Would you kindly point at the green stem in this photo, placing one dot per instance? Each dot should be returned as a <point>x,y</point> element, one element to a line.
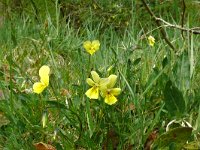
<point>89,117</point>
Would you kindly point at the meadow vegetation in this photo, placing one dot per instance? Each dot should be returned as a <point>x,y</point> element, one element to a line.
<point>89,74</point>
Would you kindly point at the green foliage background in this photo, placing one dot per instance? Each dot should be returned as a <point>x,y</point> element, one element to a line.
<point>158,84</point>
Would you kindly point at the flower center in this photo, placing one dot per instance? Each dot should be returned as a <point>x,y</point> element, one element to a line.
<point>92,48</point>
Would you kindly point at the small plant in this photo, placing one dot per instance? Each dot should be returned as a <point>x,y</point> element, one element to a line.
<point>135,86</point>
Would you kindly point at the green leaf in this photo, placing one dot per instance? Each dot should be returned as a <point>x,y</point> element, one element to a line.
<point>175,138</point>
<point>89,118</point>
<point>182,71</point>
<point>164,62</point>
<point>56,104</point>
<point>174,101</point>
<point>136,61</point>
<point>195,145</point>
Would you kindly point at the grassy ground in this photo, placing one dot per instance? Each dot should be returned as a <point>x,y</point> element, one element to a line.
<point>158,84</point>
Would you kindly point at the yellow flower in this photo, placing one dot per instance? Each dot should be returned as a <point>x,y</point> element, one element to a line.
<point>38,87</point>
<point>151,40</point>
<point>91,47</point>
<point>109,93</point>
<point>97,84</point>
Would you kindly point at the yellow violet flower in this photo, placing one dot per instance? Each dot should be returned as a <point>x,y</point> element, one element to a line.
<point>97,84</point>
<point>91,47</point>
<point>151,40</point>
<point>110,93</point>
<point>38,87</point>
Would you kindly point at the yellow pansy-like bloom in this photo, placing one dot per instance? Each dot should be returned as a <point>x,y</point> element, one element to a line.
<point>38,87</point>
<point>110,93</point>
<point>91,47</point>
<point>151,40</point>
<point>97,84</point>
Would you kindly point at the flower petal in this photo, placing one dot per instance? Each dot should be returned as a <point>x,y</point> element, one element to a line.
<point>44,74</point>
<point>110,99</point>
<point>92,51</point>
<point>104,81</point>
<point>103,93</point>
<point>95,76</point>
<point>44,70</point>
<point>45,80</point>
<point>38,87</point>
<point>115,91</point>
<point>87,45</point>
<point>95,44</point>
<point>103,84</point>
<point>112,80</point>
<point>151,40</point>
<point>93,93</point>
<point>90,82</point>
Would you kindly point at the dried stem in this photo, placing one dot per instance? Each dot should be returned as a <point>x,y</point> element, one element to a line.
<point>194,30</point>
<point>164,34</point>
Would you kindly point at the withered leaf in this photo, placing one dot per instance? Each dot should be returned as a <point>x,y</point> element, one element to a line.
<point>43,146</point>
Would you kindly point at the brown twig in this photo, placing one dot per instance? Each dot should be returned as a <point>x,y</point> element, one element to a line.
<point>194,30</point>
<point>164,34</point>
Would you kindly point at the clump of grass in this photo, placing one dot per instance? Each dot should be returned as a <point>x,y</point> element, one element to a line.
<point>62,115</point>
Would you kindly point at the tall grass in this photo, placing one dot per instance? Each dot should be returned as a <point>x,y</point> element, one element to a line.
<point>73,120</point>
